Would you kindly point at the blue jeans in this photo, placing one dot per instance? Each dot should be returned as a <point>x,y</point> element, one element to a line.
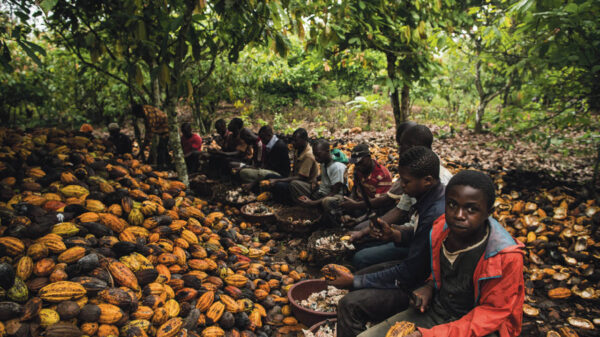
<point>377,254</point>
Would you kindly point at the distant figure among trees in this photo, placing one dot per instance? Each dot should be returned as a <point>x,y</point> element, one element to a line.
<point>156,134</point>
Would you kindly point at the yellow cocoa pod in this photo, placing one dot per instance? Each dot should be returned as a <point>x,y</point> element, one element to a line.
<point>65,229</point>
<point>13,245</point>
<point>24,268</point>
<point>71,255</point>
<point>400,329</point>
<point>215,311</point>
<point>74,191</point>
<point>61,291</point>
<point>135,218</point>
<point>213,331</point>
<point>48,317</point>
<point>170,328</point>
<point>109,314</point>
<point>236,280</point>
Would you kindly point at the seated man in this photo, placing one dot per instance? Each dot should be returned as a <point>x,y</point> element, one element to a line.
<point>383,290</point>
<point>374,177</point>
<point>222,133</point>
<point>476,287</point>
<point>378,252</point>
<point>330,191</point>
<point>192,145</point>
<point>234,149</point>
<point>253,155</point>
<point>275,161</point>
<point>305,168</point>
<point>385,202</point>
<point>118,142</point>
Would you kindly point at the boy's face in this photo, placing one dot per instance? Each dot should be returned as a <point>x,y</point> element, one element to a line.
<point>364,165</point>
<point>299,142</point>
<point>322,154</point>
<point>466,210</point>
<point>221,129</point>
<point>414,186</point>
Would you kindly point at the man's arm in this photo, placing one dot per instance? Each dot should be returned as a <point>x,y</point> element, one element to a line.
<point>411,271</point>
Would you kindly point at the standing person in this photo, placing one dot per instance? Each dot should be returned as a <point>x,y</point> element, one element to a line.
<point>330,191</point>
<point>275,161</point>
<point>117,141</point>
<point>157,133</point>
<point>476,286</point>
<point>192,145</point>
<point>382,290</point>
<point>305,168</point>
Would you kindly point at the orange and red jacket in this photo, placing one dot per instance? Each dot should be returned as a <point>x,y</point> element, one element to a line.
<point>498,286</point>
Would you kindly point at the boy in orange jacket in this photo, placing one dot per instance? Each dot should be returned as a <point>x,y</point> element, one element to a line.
<point>476,286</point>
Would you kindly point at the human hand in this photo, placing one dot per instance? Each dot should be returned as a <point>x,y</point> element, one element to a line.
<point>416,333</point>
<point>247,187</point>
<point>314,185</point>
<point>343,280</point>
<point>421,297</point>
<point>382,232</point>
<point>355,235</point>
<point>348,203</point>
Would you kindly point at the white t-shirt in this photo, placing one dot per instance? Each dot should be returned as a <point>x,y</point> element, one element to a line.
<point>406,201</point>
<point>334,173</point>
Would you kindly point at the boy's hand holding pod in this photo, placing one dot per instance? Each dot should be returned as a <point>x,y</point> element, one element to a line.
<point>337,275</point>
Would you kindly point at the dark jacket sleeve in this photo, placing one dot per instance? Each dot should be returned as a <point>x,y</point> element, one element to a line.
<point>413,270</point>
<point>408,273</point>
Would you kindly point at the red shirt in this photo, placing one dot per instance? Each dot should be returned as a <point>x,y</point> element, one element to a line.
<point>194,143</point>
<point>377,183</point>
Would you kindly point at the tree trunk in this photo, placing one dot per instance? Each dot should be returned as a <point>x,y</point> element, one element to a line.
<point>395,101</point>
<point>479,115</point>
<point>175,142</point>
<point>155,88</point>
<point>405,107</point>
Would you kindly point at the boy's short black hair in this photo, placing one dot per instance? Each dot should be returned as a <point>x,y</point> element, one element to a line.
<point>402,127</point>
<point>322,143</point>
<point>236,124</point>
<point>419,135</point>
<point>421,162</point>
<point>265,129</point>
<point>477,180</point>
<point>220,121</point>
<point>300,132</point>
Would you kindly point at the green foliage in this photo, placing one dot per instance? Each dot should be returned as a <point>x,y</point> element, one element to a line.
<point>365,107</point>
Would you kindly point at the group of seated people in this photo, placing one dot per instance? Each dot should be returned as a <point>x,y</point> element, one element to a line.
<point>428,250</point>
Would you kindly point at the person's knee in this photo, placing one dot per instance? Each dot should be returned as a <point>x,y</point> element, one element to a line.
<point>358,261</point>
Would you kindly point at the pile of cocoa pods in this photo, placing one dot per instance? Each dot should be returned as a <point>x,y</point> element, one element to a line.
<point>92,244</point>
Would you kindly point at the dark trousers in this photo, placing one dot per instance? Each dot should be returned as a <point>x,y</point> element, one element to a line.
<point>162,152</point>
<point>193,162</point>
<point>369,305</point>
<point>281,193</point>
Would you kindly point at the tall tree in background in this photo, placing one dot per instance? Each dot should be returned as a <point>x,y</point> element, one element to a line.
<point>148,45</point>
<point>397,28</point>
